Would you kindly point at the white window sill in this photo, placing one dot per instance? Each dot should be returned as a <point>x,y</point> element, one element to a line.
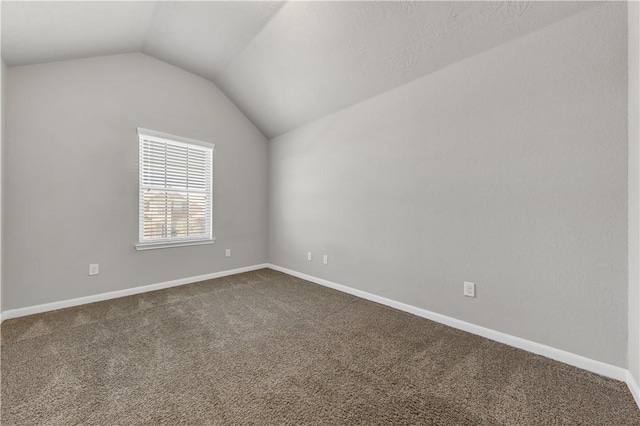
<point>169,244</point>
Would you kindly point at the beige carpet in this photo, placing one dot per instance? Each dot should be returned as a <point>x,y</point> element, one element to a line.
<point>266,348</point>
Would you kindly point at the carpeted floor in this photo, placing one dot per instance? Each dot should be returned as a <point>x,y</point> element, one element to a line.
<point>266,348</point>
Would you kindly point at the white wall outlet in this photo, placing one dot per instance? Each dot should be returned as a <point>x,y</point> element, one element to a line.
<point>94,269</point>
<point>469,289</point>
<point>325,259</point>
<point>227,253</point>
<point>309,257</point>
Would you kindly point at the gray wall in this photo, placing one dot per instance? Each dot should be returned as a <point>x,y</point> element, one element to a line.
<point>508,169</point>
<point>634,190</point>
<point>71,194</point>
<point>2,141</point>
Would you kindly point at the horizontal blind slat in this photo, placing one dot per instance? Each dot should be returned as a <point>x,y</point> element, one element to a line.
<point>175,190</point>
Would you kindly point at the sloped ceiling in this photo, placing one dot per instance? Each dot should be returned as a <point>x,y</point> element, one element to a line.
<point>201,37</point>
<point>36,32</point>
<point>283,64</point>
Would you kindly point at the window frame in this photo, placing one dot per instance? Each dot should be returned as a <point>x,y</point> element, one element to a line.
<point>152,135</point>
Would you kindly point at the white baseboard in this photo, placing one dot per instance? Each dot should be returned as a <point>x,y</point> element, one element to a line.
<point>30,310</point>
<point>633,387</point>
<point>579,361</point>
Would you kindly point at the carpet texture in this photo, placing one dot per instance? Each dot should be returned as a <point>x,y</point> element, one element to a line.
<point>266,348</point>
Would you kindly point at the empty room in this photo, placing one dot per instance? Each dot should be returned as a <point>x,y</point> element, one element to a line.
<point>320,213</point>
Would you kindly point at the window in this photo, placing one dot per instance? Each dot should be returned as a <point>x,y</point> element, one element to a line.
<point>175,191</point>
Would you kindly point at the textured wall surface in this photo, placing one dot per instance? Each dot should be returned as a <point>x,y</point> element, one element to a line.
<point>71,182</point>
<point>508,169</point>
<point>634,189</point>
<point>3,89</point>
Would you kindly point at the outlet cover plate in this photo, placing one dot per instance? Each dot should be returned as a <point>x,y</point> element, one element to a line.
<point>469,289</point>
<point>94,269</point>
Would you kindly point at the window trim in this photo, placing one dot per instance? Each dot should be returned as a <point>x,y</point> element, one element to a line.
<point>175,242</point>
<point>169,244</point>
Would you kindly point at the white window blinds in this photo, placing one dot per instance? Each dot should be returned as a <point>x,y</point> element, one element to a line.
<point>175,190</point>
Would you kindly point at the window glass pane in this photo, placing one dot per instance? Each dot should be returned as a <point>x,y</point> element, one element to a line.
<point>175,190</point>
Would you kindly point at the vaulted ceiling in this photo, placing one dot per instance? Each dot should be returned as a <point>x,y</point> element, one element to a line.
<point>284,64</point>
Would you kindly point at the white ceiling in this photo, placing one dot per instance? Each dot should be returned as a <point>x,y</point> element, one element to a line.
<point>315,58</point>
<point>284,64</point>
<point>35,32</point>
<point>201,37</point>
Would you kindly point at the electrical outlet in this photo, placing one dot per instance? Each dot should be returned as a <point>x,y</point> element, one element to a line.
<point>325,259</point>
<point>227,253</point>
<point>469,289</point>
<point>309,257</point>
<point>94,269</point>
